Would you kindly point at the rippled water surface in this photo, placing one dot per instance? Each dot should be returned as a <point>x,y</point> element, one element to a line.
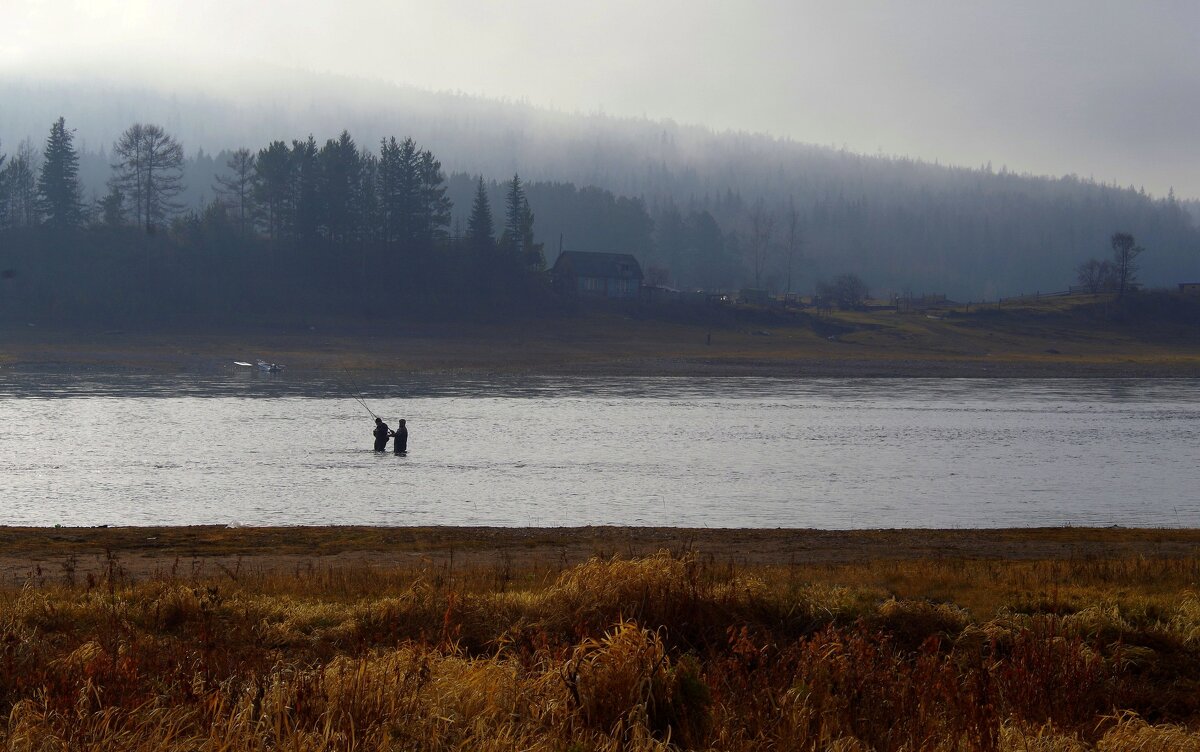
<point>261,449</point>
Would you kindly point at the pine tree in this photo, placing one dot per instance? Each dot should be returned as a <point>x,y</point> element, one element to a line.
<point>306,178</point>
<point>413,207</point>
<point>236,190</point>
<point>58,185</point>
<point>392,190</point>
<point>273,188</point>
<point>480,229</point>
<point>339,199</point>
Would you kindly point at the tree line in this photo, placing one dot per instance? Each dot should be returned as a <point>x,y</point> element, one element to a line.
<point>293,227</point>
<point>699,210</point>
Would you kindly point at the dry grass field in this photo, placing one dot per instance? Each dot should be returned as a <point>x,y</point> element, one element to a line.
<point>515,640</point>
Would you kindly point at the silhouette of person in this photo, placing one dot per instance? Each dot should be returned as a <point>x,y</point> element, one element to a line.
<point>381,434</point>
<point>400,445</point>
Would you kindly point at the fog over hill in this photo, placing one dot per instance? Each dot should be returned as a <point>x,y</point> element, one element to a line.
<point>902,224</point>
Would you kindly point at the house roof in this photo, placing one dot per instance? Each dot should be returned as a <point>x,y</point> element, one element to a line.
<point>588,264</point>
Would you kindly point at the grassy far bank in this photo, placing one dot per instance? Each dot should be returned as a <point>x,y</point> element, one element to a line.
<point>1031,338</point>
<point>597,640</point>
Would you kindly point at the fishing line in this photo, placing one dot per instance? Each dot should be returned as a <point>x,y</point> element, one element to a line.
<point>356,397</point>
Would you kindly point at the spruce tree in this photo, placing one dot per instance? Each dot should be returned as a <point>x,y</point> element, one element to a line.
<point>480,228</point>
<point>518,228</point>
<point>58,185</point>
<point>514,213</point>
<point>110,210</point>
<point>434,203</point>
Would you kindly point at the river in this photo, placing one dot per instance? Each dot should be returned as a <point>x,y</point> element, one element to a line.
<point>249,448</point>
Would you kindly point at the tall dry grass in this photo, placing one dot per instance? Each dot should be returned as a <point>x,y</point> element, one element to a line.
<point>658,653</point>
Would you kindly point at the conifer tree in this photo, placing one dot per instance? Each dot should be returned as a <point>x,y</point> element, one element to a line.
<point>58,185</point>
<point>110,209</point>
<point>435,205</point>
<point>395,188</point>
<point>413,206</point>
<point>305,215</point>
<point>514,213</point>
<point>340,197</point>
<point>273,188</point>
<point>518,228</point>
<point>368,191</point>
<point>480,228</point>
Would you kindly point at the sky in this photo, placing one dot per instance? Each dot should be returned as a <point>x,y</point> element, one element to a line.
<point>1101,89</point>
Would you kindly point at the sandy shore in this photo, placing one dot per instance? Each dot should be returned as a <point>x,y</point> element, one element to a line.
<point>52,553</point>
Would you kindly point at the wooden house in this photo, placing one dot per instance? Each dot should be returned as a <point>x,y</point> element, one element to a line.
<point>602,275</point>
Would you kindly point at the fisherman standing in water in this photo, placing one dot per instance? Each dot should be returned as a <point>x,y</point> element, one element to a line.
<point>381,435</point>
<point>400,445</point>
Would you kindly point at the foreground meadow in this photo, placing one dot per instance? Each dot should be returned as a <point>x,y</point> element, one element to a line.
<point>673,650</point>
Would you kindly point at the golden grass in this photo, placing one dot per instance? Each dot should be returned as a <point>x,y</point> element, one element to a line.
<point>660,652</point>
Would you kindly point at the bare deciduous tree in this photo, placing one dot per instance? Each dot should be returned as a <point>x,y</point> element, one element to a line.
<point>847,291</point>
<point>236,190</point>
<point>1125,253</point>
<point>762,225</point>
<point>795,239</point>
<point>20,186</point>
<point>1096,275</point>
<point>149,172</point>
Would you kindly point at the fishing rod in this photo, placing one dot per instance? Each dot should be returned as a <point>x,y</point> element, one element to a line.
<point>362,402</point>
<point>357,397</point>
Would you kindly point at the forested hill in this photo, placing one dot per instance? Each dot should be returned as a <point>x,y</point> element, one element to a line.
<point>714,209</point>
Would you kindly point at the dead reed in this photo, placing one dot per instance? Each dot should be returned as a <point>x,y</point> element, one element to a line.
<point>657,653</point>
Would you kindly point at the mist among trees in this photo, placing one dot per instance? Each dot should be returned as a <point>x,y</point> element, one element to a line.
<point>348,224</point>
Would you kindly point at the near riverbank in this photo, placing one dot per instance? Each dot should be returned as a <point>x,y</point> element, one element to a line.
<point>143,552</point>
<point>599,639</point>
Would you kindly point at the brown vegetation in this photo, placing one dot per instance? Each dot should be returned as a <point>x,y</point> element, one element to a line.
<point>1045,337</point>
<point>675,650</point>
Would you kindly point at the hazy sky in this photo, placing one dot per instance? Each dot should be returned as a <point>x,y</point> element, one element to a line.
<point>1103,89</point>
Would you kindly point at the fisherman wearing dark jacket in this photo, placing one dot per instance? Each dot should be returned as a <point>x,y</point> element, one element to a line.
<point>381,435</point>
<point>400,445</point>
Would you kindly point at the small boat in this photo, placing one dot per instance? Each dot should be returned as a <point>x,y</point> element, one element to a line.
<point>268,367</point>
